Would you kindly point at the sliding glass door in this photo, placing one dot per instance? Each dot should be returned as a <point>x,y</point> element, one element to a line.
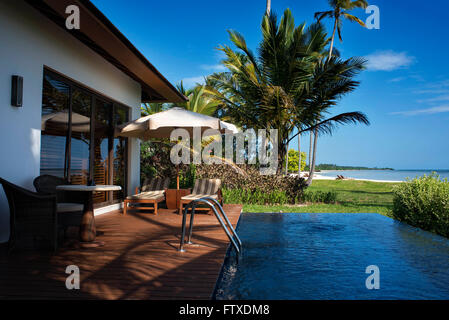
<point>78,140</point>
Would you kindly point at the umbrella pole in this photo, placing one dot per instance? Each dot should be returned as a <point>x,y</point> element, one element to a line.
<point>177,176</point>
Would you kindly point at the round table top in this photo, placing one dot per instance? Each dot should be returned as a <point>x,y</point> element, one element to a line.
<point>80,187</point>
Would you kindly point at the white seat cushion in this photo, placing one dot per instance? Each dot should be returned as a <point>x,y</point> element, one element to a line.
<point>69,207</point>
<point>148,195</point>
<point>199,196</point>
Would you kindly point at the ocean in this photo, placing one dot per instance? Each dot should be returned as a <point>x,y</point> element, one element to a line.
<point>383,175</point>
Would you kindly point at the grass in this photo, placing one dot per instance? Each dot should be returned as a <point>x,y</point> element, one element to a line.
<point>352,197</point>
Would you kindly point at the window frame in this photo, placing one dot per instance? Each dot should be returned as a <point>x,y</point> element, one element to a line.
<point>94,95</point>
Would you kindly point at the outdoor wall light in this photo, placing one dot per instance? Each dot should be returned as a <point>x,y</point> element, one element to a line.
<point>17,91</point>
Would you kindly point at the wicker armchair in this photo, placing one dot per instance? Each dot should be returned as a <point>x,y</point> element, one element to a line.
<point>46,184</point>
<point>70,204</point>
<point>33,218</point>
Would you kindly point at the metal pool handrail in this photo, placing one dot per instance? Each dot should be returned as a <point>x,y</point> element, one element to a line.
<point>206,200</point>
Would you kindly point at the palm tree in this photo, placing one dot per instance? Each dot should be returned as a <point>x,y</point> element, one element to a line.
<point>331,80</point>
<point>274,89</point>
<point>339,11</point>
<point>151,108</point>
<point>198,100</point>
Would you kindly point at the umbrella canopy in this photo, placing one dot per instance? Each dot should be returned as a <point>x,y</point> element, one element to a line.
<point>60,120</point>
<point>160,125</point>
<point>227,127</point>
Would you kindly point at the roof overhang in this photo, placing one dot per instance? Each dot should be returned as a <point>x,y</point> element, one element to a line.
<point>99,34</point>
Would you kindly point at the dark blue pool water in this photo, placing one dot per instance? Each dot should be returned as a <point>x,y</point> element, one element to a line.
<point>324,256</point>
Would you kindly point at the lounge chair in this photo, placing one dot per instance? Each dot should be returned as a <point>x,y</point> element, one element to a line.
<point>203,188</point>
<point>33,218</point>
<point>152,192</point>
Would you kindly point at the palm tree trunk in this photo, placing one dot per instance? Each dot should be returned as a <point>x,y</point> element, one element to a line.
<point>299,151</point>
<point>268,11</point>
<point>310,150</point>
<point>312,170</point>
<point>286,162</point>
<point>333,38</point>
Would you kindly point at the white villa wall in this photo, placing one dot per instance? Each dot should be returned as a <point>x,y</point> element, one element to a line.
<point>29,41</point>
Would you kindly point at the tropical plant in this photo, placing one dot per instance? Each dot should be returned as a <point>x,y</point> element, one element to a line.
<point>424,203</point>
<point>198,101</point>
<point>152,108</point>
<point>294,159</point>
<point>275,90</point>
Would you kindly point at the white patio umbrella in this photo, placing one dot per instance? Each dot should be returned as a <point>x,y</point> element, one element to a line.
<point>161,124</point>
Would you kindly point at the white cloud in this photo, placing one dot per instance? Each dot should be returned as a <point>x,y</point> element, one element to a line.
<point>388,60</point>
<point>435,99</point>
<point>192,81</point>
<point>398,79</point>
<point>439,87</point>
<point>214,67</point>
<point>434,110</point>
<point>432,91</point>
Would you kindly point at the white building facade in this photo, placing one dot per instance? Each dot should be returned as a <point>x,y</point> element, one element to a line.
<point>73,98</point>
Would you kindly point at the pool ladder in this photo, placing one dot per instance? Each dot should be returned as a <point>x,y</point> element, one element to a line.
<point>212,203</point>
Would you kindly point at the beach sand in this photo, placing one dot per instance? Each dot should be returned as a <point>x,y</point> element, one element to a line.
<point>317,176</point>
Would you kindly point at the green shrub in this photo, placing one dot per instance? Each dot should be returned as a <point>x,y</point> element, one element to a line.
<point>423,202</point>
<point>248,177</point>
<point>245,196</point>
<point>319,196</point>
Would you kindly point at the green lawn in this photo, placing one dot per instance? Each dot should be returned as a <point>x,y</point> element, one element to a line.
<point>352,196</point>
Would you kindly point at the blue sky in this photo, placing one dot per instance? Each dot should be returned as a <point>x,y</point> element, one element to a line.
<point>404,92</point>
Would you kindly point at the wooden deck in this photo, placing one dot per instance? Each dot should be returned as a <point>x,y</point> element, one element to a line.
<point>140,260</point>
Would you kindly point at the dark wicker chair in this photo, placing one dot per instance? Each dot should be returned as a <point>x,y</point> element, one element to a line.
<point>33,218</point>
<point>70,207</point>
<point>46,184</point>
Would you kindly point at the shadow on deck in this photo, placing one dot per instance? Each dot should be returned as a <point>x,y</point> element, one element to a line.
<point>140,260</point>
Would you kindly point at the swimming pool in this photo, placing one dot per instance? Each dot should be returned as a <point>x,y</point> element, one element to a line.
<point>325,255</point>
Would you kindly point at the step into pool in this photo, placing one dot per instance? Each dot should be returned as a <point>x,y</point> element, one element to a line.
<point>326,256</point>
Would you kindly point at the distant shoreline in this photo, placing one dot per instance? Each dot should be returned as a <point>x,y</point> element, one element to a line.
<point>334,167</point>
<point>320,177</point>
<point>328,170</point>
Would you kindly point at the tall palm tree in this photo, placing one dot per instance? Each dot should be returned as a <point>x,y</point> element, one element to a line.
<point>340,9</point>
<point>274,89</point>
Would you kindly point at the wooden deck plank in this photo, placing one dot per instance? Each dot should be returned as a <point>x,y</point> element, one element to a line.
<point>140,260</point>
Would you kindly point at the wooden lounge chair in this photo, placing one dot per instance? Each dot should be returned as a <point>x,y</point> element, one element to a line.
<point>33,218</point>
<point>203,188</point>
<point>152,192</point>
